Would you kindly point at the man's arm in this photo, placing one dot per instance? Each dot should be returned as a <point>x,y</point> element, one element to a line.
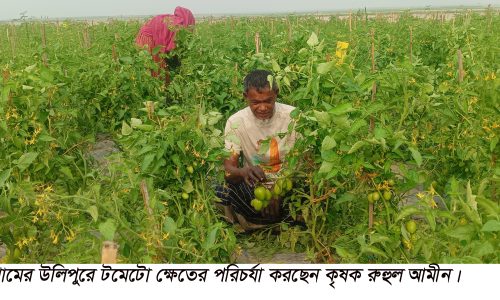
<point>250,175</point>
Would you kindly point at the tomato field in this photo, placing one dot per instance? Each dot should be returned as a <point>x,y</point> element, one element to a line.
<point>397,160</point>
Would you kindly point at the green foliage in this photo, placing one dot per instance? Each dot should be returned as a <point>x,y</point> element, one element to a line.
<point>421,126</point>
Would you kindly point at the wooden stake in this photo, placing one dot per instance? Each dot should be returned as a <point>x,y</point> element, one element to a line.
<point>257,43</point>
<point>11,42</point>
<point>373,50</point>
<point>115,56</point>
<point>235,78</point>
<point>374,86</point>
<point>461,72</point>
<point>494,188</point>
<point>411,45</point>
<point>86,37</point>
<point>350,21</point>
<point>145,198</point>
<point>370,215</point>
<point>372,119</point>
<point>44,45</point>
<point>289,30</point>
<point>109,252</point>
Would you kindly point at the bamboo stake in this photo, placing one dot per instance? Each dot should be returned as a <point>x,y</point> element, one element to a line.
<point>108,252</point>
<point>494,188</point>
<point>257,43</point>
<point>411,45</point>
<point>289,30</point>
<point>115,56</point>
<point>44,45</point>
<point>372,119</point>
<point>11,43</point>
<point>370,215</point>
<point>373,50</point>
<point>350,21</point>
<point>461,72</point>
<point>145,198</point>
<point>86,37</point>
<point>235,78</point>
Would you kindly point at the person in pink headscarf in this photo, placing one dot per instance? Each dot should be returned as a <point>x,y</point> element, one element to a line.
<point>159,32</point>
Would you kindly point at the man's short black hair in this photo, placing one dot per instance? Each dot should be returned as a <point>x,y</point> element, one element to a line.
<point>257,79</point>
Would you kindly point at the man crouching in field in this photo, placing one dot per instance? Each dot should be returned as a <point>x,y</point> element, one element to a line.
<point>259,133</point>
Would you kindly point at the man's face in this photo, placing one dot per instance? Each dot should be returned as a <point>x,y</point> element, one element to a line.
<point>261,102</point>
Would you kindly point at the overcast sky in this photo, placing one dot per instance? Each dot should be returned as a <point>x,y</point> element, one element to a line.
<point>10,9</point>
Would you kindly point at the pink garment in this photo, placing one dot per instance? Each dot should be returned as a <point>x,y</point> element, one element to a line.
<point>162,28</point>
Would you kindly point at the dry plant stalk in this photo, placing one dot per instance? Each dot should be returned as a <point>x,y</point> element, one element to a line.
<point>461,72</point>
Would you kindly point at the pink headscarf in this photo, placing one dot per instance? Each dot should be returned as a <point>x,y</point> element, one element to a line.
<point>161,29</point>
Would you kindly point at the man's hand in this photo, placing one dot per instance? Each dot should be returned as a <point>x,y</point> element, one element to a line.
<point>272,211</point>
<point>253,174</point>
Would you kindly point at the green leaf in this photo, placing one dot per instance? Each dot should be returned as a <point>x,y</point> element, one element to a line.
<point>148,159</point>
<point>378,238</point>
<point>134,122</point>
<point>26,160</point>
<point>471,199</point>
<point>488,206</point>
<point>462,233</point>
<point>313,40</point>
<point>108,229</point>
<point>330,155</point>
<point>344,253</point>
<point>93,212</point>
<point>373,250</point>
<point>4,176</point>
<point>326,167</point>
<point>356,125</point>
<point>491,225</point>
<point>328,143</point>
<point>341,109</point>
<point>188,186</point>
<point>324,68</point>
<point>356,146</point>
<point>482,249</point>
<point>145,127</point>
<point>264,147</point>
<point>346,197</point>
<point>46,138</point>
<point>407,211</point>
<point>276,66</point>
<point>126,129</point>
<point>416,155</point>
<point>493,143</point>
<point>323,118</point>
<point>211,237</point>
<point>126,60</point>
<point>67,172</point>
<point>431,220</point>
<point>170,226</point>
